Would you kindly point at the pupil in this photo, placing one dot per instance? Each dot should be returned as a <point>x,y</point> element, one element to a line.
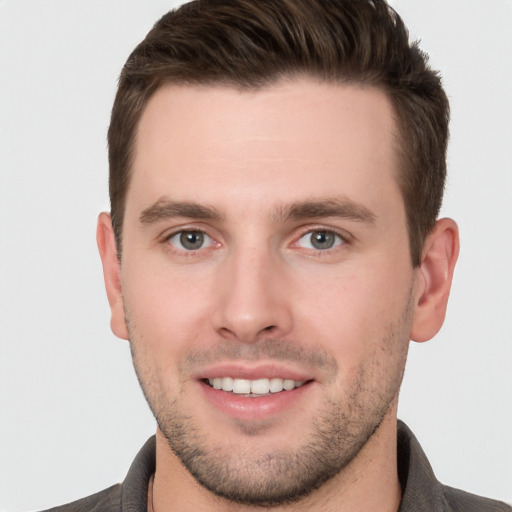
<point>322,240</point>
<point>192,239</point>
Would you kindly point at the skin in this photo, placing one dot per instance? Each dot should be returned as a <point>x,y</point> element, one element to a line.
<point>259,167</point>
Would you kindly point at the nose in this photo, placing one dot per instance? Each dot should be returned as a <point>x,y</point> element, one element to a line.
<point>252,297</point>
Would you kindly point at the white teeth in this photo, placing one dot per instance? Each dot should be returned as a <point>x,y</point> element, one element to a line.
<point>241,386</point>
<point>276,385</point>
<point>256,387</point>
<point>288,384</point>
<point>260,386</point>
<point>227,384</point>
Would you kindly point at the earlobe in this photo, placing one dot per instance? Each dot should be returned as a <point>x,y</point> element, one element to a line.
<point>111,274</point>
<point>435,274</point>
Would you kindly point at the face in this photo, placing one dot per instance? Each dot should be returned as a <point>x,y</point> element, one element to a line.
<point>266,280</point>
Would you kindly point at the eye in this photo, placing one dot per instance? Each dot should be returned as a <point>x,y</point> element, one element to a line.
<point>190,240</point>
<point>320,240</point>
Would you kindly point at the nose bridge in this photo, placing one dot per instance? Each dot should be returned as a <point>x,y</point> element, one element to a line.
<point>252,294</point>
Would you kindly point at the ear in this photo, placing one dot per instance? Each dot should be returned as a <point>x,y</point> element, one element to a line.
<point>434,279</point>
<point>111,274</point>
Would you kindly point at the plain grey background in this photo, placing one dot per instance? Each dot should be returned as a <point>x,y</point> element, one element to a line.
<point>72,416</point>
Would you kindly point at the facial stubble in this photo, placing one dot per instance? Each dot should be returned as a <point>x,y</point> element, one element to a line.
<point>337,435</point>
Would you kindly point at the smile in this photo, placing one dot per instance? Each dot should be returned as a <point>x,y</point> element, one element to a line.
<point>254,387</point>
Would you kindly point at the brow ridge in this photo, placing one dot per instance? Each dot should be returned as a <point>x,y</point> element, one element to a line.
<point>166,209</point>
<point>319,208</point>
<point>341,207</point>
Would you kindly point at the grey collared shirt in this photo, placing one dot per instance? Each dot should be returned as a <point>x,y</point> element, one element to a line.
<point>422,492</point>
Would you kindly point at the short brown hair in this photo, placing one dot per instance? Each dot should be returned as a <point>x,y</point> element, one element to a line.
<point>250,44</point>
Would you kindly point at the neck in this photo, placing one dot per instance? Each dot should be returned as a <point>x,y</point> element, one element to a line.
<point>369,482</point>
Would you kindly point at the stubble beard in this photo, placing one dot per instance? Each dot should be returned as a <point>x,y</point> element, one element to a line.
<point>274,478</point>
<point>280,477</point>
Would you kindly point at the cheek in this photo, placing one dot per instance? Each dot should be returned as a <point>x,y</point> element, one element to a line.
<point>354,311</point>
<point>166,307</point>
<point>165,318</point>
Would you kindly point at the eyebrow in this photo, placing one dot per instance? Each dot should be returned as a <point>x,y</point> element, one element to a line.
<point>166,209</point>
<point>340,207</point>
<point>333,207</point>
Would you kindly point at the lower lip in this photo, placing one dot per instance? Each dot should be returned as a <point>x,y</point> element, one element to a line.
<point>246,408</point>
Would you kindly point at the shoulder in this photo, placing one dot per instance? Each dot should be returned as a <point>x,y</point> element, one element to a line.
<point>462,501</point>
<point>421,489</point>
<point>108,500</point>
<point>132,494</point>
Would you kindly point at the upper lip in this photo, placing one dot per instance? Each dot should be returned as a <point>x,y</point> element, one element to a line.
<point>238,370</point>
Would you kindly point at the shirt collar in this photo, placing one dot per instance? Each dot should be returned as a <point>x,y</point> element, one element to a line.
<point>420,489</point>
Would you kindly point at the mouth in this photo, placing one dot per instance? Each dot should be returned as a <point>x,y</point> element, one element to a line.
<point>254,395</point>
<point>254,388</point>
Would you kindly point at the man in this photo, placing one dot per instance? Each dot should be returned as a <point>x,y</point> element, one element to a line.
<point>276,172</point>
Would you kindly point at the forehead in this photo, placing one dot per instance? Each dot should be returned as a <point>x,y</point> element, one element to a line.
<point>278,143</point>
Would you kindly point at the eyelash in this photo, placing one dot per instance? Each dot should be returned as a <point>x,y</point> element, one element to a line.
<point>343,240</point>
<point>183,251</point>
